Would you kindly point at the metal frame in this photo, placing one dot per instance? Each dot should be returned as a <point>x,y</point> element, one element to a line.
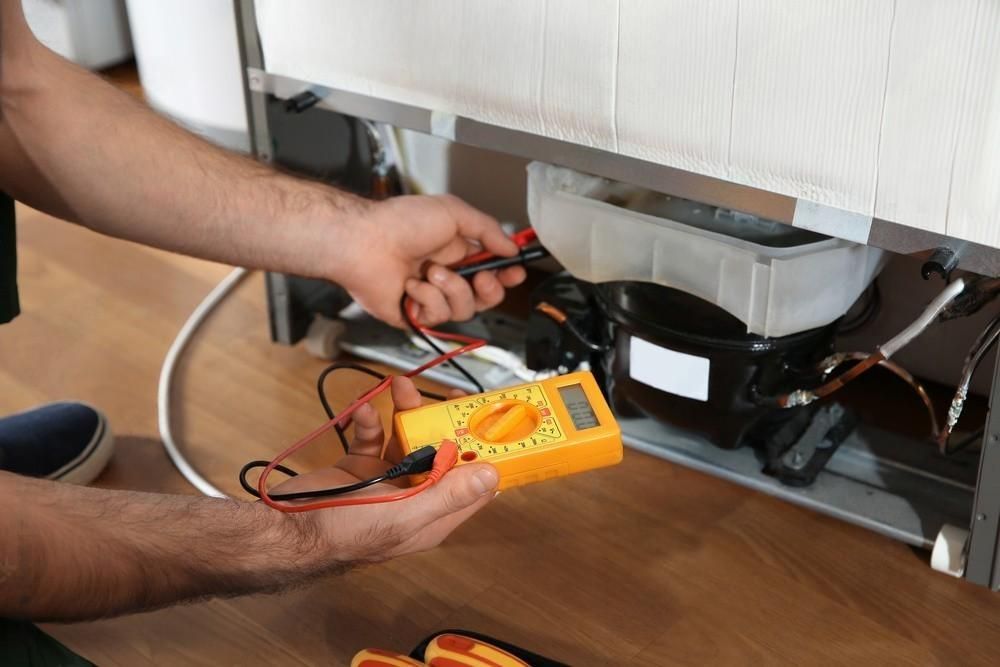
<point>983,548</point>
<point>875,232</point>
<point>252,59</point>
<point>983,551</point>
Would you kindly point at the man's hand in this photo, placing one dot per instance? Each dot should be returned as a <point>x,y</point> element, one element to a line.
<point>70,553</point>
<point>371,533</point>
<point>405,243</point>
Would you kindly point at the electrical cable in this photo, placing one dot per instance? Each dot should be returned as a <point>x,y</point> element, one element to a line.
<point>422,332</point>
<point>164,387</point>
<point>986,340</point>
<point>521,239</point>
<point>930,313</point>
<point>347,365</point>
<point>417,462</point>
<point>302,495</point>
<point>444,459</point>
<point>498,356</point>
<point>562,319</point>
<point>884,351</point>
<point>978,293</point>
<point>482,261</point>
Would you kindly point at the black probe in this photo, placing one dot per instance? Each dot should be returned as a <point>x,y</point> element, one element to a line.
<point>415,463</point>
<point>526,255</point>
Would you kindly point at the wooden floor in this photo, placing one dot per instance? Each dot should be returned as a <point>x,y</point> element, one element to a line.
<point>647,563</point>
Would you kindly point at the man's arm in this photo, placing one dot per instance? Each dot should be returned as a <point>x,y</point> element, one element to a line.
<point>69,552</point>
<point>73,145</point>
<point>72,553</point>
<point>121,169</point>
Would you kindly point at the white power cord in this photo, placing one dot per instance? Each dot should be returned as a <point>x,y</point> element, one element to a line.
<point>194,321</point>
<point>494,355</point>
<point>930,313</point>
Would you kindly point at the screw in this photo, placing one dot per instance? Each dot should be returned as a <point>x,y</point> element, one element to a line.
<point>995,438</point>
<point>980,517</point>
<point>254,80</point>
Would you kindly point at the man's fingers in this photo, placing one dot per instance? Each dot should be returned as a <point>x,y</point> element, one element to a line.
<point>404,394</point>
<point>432,307</point>
<point>368,432</point>
<point>476,225</point>
<point>512,276</point>
<point>434,533</point>
<point>489,291</point>
<point>460,488</point>
<point>457,291</point>
<point>454,251</point>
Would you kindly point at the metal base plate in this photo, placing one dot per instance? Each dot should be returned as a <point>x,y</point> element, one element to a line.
<point>878,480</point>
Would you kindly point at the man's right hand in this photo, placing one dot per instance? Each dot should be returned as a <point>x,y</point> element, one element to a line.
<point>372,533</point>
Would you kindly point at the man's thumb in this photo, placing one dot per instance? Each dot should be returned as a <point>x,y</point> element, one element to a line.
<point>458,489</point>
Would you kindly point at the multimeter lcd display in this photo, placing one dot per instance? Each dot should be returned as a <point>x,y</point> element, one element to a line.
<point>578,407</point>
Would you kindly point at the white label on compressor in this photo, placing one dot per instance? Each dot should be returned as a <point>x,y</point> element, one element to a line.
<point>673,372</point>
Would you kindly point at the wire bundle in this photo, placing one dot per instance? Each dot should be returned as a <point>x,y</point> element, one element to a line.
<point>444,459</point>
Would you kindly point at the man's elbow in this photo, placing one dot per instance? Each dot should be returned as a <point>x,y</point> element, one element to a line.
<point>16,86</point>
<point>25,69</point>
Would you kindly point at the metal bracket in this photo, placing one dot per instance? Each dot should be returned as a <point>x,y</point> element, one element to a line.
<point>983,560</point>
<point>252,59</point>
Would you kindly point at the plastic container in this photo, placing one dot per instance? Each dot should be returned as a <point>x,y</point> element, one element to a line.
<point>189,63</point>
<point>776,279</point>
<point>91,33</point>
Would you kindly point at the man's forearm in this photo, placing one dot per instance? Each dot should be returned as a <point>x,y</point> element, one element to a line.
<point>86,151</point>
<point>72,553</point>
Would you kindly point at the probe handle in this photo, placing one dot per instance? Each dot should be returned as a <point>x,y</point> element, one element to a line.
<point>532,254</point>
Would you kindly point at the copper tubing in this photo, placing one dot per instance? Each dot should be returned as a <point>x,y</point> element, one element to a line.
<point>854,371</point>
<point>900,372</point>
<point>804,397</point>
<point>884,351</point>
<point>548,309</point>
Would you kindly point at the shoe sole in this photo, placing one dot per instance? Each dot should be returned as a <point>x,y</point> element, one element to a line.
<point>94,458</point>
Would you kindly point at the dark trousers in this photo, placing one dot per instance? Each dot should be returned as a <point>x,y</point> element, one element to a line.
<point>23,644</point>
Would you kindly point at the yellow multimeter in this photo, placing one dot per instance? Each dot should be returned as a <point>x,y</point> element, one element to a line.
<point>530,432</point>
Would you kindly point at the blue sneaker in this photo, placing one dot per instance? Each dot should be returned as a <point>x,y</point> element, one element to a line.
<point>69,442</point>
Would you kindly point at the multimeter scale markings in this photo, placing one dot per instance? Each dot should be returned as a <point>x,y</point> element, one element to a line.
<point>546,433</point>
<point>531,432</point>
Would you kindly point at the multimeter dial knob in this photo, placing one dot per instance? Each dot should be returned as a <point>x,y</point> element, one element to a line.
<point>505,421</point>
